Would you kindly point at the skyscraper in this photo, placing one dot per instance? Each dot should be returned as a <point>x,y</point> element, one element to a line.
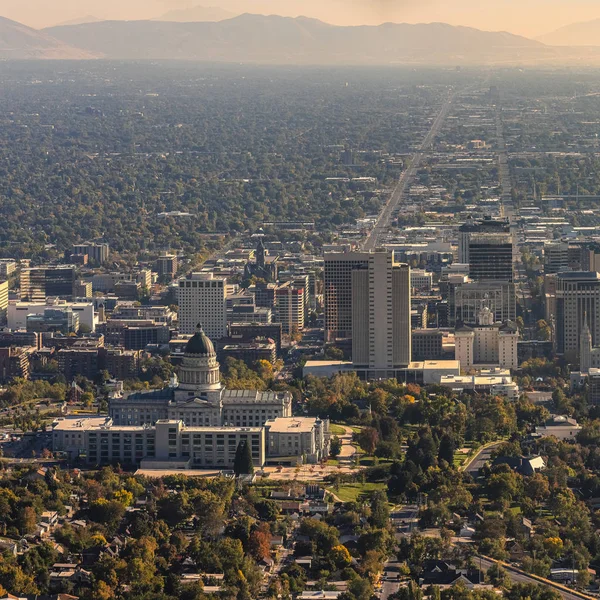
<point>202,301</point>
<point>577,301</point>
<point>381,331</point>
<point>337,274</point>
<point>289,307</point>
<point>487,247</point>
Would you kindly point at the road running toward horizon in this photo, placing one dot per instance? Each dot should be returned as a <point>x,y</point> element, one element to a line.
<point>387,214</point>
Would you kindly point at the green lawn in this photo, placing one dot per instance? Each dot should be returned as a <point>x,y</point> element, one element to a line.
<point>337,430</point>
<point>369,461</point>
<point>350,492</point>
<point>460,459</point>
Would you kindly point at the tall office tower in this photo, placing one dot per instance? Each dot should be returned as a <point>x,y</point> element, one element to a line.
<point>167,265</point>
<point>203,301</point>
<point>556,257</point>
<point>381,329</point>
<point>290,307</point>
<point>577,295</point>
<point>585,255</point>
<point>39,283</point>
<point>499,296</point>
<point>3,301</point>
<point>487,247</point>
<point>97,253</point>
<point>337,290</point>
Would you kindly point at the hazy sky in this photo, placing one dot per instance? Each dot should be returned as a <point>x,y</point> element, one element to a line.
<point>526,17</point>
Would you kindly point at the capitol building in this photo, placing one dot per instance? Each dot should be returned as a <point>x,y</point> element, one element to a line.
<point>195,423</point>
<point>199,398</point>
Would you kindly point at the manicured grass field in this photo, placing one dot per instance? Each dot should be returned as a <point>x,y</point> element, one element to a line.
<point>337,429</point>
<point>350,492</point>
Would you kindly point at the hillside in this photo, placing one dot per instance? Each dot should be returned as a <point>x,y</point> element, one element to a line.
<point>80,21</point>
<point>19,42</point>
<point>197,13</point>
<point>576,34</point>
<point>273,39</point>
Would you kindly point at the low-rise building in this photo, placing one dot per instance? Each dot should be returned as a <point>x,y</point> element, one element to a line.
<point>14,362</point>
<point>427,344</point>
<point>561,427</point>
<point>68,434</point>
<point>251,352</point>
<point>294,439</point>
<point>487,344</point>
<point>421,280</point>
<point>170,444</point>
<point>496,382</point>
<point>17,312</point>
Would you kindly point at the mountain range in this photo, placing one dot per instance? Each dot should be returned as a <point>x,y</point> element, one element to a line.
<point>576,34</point>
<point>19,42</point>
<point>274,39</point>
<point>197,13</point>
<point>81,20</point>
<point>280,40</point>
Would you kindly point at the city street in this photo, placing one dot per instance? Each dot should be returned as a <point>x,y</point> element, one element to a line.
<point>482,457</point>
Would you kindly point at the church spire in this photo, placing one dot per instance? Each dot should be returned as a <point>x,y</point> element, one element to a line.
<point>585,347</point>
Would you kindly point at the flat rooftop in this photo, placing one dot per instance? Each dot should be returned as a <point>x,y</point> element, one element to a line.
<point>291,425</point>
<point>80,423</point>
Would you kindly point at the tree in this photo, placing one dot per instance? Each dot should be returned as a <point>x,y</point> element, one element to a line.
<point>446,449</point>
<point>380,512</point>
<point>259,544</point>
<point>367,439</point>
<point>242,464</point>
<point>335,446</point>
<point>27,520</point>
<point>102,591</point>
<point>268,510</point>
<point>340,556</point>
<point>107,512</point>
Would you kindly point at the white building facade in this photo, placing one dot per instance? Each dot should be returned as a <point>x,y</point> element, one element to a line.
<point>203,300</point>
<point>487,344</point>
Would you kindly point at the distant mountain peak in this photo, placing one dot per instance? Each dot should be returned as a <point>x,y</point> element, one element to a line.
<point>584,33</point>
<point>197,14</point>
<point>20,42</point>
<point>81,21</point>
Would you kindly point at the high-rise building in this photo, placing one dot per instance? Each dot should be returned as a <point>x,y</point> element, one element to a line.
<point>337,290</point>
<point>487,247</point>
<point>82,289</point>
<point>3,301</point>
<point>203,301</point>
<point>39,283</point>
<point>381,315</point>
<point>167,265</point>
<point>7,267</point>
<point>577,295</point>
<point>97,253</point>
<point>556,257</point>
<point>290,307</point>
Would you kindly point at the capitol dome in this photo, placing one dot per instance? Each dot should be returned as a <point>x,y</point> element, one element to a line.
<point>200,344</point>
